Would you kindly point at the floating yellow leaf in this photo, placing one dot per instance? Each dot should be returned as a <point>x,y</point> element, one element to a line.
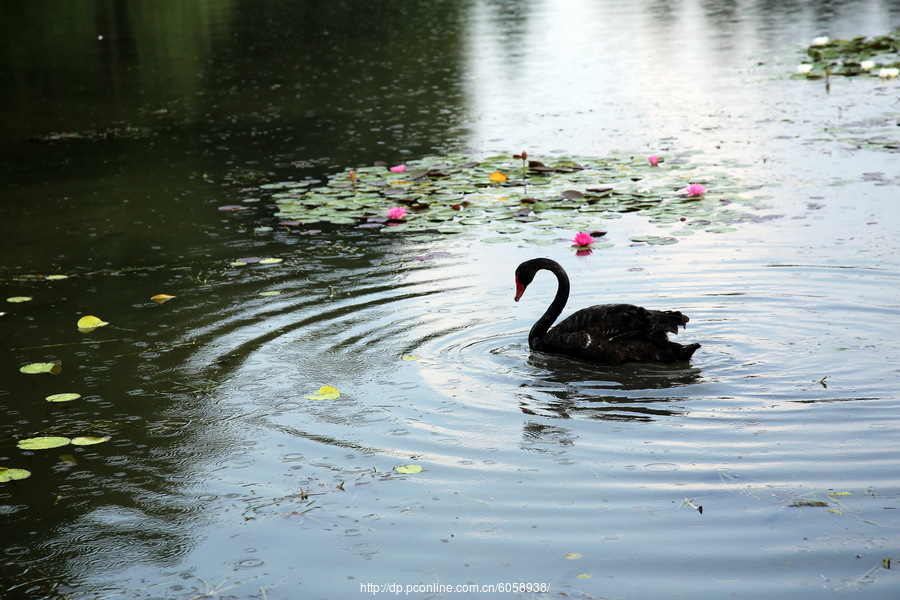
<point>573,555</point>
<point>326,392</point>
<point>54,368</point>
<point>55,277</point>
<point>88,323</point>
<point>160,298</point>
<point>43,443</point>
<point>408,469</point>
<point>410,357</point>
<point>584,576</point>
<point>67,397</point>
<point>87,440</point>
<point>7,474</point>
<point>18,299</point>
<point>270,261</point>
<point>270,293</point>
<point>498,177</point>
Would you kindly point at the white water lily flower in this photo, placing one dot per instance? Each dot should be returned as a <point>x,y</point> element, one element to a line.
<point>889,73</point>
<point>820,41</point>
<point>804,69</point>
<point>867,65</point>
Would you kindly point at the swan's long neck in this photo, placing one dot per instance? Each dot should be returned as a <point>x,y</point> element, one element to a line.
<point>540,328</point>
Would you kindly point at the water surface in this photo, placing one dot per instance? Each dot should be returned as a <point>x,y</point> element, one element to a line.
<point>222,479</point>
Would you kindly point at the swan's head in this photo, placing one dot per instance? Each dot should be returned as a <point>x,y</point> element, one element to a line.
<point>525,273</point>
<point>524,276</point>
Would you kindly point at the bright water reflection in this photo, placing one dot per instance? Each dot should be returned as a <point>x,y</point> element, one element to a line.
<point>222,479</point>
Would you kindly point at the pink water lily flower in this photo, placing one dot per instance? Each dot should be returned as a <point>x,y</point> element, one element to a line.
<point>398,169</point>
<point>582,239</point>
<point>653,159</point>
<point>397,213</point>
<point>694,189</point>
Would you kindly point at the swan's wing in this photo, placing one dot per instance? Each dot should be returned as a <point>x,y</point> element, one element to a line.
<point>617,322</point>
<point>617,333</point>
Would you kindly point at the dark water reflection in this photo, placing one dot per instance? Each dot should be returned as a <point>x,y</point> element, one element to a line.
<point>125,126</point>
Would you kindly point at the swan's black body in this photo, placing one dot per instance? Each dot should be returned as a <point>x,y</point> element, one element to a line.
<point>608,334</point>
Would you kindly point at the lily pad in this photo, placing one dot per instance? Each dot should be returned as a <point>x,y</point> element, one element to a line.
<point>43,443</point>
<point>450,193</point>
<point>89,440</point>
<point>89,323</point>
<point>408,469</point>
<point>65,397</point>
<point>54,368</point>
<point>326,392</point>
<point>18,299</point>
<point>8,474</point>
<point>875,56</point>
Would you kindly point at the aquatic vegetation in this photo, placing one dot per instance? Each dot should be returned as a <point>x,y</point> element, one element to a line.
<point>396,213</point>
<point>398,169</point>
<point>64,397</point>
<point>54,368</point>
<point>43,442</point>
<point>326,392</point>
<point>869,56</point>
<point>653,160</point>
<point>89,323</point>
<point>408,469</point>
<point>694,189</point>
<point>582,239</point>
<point>875,133</point>
<point>453,194</point>
<point>10,474</point>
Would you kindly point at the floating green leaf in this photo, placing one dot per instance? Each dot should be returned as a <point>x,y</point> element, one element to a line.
<point>408,469</point>
<point>18,299</point>
<point>88,323</point>
<point>54,368</point>
<point>7,474</point>
<point>66,397</point>
<point>449,193</point>
<point>56,277</point>
<point>43,443</point>
<point>860,56</point>
<point>326,392</point>
<point>89,440</point>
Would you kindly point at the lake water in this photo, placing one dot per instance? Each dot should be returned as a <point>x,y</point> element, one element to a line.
<point>126,127</point>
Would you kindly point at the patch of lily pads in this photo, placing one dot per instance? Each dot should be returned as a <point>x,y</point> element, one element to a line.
<point>877,56</point>
<point>451,194</point>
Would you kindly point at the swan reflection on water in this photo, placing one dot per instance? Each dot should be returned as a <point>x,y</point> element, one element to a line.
<point>565,388</point>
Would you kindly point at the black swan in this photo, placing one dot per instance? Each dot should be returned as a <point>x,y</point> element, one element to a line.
<point>608,334</point>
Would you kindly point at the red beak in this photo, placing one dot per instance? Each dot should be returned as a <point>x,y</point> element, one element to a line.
<point>520,289</point>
